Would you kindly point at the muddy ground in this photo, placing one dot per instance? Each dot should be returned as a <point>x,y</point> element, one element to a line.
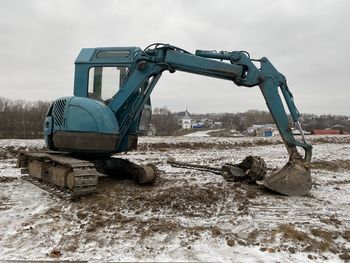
<point>186,215</point>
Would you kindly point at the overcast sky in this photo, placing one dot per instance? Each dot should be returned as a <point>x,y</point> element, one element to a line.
<point>307,41</point>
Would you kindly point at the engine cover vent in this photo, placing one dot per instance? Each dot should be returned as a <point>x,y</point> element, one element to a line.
<point>58,111</point>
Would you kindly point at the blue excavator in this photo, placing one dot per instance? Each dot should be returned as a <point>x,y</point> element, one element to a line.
<point>111,107</point>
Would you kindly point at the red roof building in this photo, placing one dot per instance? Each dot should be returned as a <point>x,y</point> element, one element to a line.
<point>327,131</point>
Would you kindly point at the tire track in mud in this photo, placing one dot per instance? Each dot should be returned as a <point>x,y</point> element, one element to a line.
<point>189,207</point>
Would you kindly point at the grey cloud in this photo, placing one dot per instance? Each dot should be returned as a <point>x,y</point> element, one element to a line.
<point>306,40</point>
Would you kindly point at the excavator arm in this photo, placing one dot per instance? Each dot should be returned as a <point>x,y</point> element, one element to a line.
<point>149,65</point>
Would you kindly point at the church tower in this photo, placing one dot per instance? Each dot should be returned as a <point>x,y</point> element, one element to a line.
<point>186,121</point>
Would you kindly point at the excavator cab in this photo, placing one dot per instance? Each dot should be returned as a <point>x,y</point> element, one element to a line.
<point>85,123</point>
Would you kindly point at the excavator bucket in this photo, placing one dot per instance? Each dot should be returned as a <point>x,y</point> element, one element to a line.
<point>293,179</point>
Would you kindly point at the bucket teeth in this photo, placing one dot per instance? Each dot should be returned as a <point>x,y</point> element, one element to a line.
<point>293,179</point>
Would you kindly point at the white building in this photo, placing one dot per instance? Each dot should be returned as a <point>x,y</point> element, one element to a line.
<point>151,130</point>
<point>186,121</point>
<point>266,130</point>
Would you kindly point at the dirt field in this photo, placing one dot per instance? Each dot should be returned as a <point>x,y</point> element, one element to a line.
<point>186,215</point>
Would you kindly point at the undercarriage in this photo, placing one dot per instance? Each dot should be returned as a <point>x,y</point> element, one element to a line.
<point>71,177</point>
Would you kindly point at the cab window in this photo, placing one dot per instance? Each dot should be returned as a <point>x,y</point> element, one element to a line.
<point>104,82</point>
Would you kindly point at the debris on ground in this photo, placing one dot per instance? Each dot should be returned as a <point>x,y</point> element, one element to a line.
<point>187,215</point>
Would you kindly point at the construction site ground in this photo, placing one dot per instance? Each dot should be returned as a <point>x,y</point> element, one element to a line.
<point>186,215</point>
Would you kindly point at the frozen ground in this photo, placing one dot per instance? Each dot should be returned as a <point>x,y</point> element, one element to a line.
<point>187,215</point>
<point>200,133</point>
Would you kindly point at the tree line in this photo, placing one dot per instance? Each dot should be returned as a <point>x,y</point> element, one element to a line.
<point>166,122</point>
<point>22,119</point>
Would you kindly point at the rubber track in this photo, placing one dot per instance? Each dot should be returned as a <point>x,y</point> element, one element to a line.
<point>64,194</point>
<point>85,174</point>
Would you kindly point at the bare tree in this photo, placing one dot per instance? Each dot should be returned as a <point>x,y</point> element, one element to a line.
<point>22,119</point>
<point>164,121</point>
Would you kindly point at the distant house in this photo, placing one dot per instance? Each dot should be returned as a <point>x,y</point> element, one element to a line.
<point>325,131</point>
<point>266,130</point>
<point>186,121</point>
<point>151,130</point>
<point>217,124</point>
<point>339,127</point>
